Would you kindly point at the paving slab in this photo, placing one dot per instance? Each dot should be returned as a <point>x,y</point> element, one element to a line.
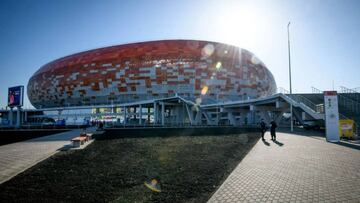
<point>294,169</point>
<point>17,157</point>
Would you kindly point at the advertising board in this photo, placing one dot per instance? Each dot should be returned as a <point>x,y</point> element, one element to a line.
<point>15,96</point>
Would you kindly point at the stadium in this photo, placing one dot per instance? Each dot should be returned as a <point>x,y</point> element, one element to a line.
<point>200,71</point>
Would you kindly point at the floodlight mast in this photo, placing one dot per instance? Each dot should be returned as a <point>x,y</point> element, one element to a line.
<point>291,106</point>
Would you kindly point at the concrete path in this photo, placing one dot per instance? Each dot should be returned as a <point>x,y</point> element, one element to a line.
<point>17,157</point>
<point>294,169</point>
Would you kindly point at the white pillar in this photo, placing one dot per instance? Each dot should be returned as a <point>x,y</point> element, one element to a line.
<point>162,113</point>
<point>18,117</point>
<point>231,118</point>
<point>11,117</point>
<point>155,113</point>
<point>125,115</point>
<point>140,114</point>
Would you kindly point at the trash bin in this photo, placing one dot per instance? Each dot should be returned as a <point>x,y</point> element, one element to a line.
<point>346,128</point>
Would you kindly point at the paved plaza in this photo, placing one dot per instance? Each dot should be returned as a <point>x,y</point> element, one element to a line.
<point>17,157</point>
<point>294,169</point>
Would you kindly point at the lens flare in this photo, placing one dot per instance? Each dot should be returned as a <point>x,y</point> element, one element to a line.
<point>153,185</point>
<point>208,50</point>
<point>255,60</point>
<point>218,65</point>
<point>204,90</point>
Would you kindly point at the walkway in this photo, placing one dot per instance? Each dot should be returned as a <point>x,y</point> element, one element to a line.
<point>17,157</point>
<point>294,169</point>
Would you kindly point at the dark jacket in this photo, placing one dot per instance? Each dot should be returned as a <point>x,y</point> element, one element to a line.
<point>263,126</point>
<point>273,127</point>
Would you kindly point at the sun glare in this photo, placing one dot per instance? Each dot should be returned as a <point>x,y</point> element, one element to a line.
<point>239,26</point>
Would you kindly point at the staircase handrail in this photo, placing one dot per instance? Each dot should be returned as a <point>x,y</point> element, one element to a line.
<point>316,90</point>
<point>348,90</point>
<point>305,101</point>
<point>283,90</point>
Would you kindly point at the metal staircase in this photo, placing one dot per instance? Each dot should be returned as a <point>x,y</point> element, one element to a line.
<point>349,105</point>
<point>303,103</point>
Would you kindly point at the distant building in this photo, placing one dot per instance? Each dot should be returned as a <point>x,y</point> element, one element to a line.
<point>200,71</point>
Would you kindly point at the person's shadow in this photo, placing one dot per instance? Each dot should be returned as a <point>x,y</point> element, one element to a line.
<point>265,143</point>
<point>280,144</point>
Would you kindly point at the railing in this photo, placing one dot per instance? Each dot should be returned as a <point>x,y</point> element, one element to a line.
<point>351,94</point>
<point>299,99</point>
<point>282,90</point>
<point>316,90</point>
<point>345,102</point>
<point>348,90</point>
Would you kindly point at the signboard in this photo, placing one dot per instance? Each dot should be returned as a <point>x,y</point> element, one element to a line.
<point>15,96</point>
<point>331,116</point>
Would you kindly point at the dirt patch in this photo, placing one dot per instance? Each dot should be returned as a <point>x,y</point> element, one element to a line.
<point>190,169</point>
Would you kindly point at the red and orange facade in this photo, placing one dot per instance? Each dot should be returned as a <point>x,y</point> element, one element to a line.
<point>192,69</point>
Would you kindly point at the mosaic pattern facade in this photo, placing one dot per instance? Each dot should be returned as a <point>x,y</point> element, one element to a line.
<point>201,71</point>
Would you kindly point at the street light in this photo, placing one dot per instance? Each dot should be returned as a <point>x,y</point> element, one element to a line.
<point>291,107</point>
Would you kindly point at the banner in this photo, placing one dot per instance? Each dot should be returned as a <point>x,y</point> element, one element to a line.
<point>15,96</point>
<point>331,116</point>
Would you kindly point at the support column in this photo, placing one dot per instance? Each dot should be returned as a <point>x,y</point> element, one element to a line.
<point>140,115</point>
<point>125,109</point>
<point>162,113</point>
<point>178,115</point>
<point>209,120</point>
<point>148,115</point>
<point>18,117</point>
<point>25,116</point>
<point>134,113</point>
<point>11,117</point>
<point>231,118</point>
<point>189,112</point>
<point>198,117</point>
<point>155,112</point>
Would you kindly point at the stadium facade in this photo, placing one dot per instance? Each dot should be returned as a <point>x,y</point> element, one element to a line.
<point>199,71</point>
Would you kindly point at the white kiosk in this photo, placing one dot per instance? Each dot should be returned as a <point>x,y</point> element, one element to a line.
<point>331,116</point>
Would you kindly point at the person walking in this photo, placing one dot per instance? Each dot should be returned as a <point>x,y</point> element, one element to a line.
<point>262,128</point>
<point>272,130</point>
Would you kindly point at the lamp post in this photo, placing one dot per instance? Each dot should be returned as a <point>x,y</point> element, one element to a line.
<point>291,107</point>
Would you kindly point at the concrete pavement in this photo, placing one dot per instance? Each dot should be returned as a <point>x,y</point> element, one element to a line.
<point>17,157</point>
<point>294,169</point>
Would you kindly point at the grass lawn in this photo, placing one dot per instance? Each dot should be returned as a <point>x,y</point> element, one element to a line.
<point>190,169</point>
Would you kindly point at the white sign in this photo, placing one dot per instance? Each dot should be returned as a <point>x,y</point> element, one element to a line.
<point>331,116</point>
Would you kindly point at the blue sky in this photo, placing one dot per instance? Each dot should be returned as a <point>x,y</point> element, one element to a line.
<point>325,34</point>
